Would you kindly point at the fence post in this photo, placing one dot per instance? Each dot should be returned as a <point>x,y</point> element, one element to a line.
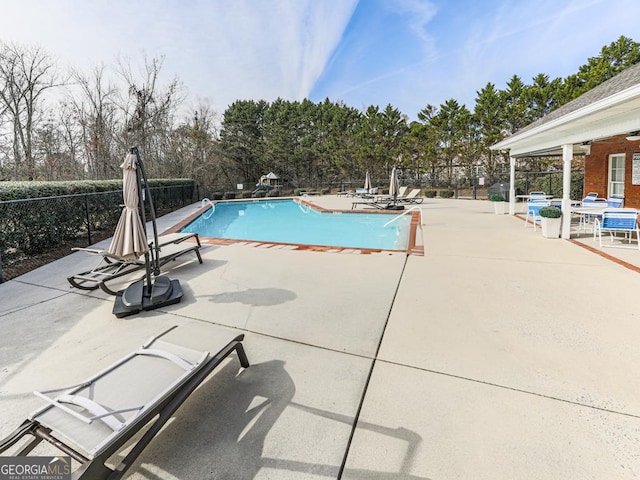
<point>87,219</point>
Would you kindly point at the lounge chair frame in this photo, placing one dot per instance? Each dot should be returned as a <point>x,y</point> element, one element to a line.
<point>111,267</point>
<point>93,463</point>
<point>385,205</point>
<point>412,197</point>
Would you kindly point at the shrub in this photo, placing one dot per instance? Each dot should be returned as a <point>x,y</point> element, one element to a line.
<point>299,191</point>
<point>229,195</point>
<point>273,193</point>
<point>446,193</point>
<point>496,198</point>
<point>550,212</point>
<point>246,194</point>
<point>260,194</point>
<point>216,196</point>
<point>326,191</point>
<point>430,193</point>
<point>38,216</point>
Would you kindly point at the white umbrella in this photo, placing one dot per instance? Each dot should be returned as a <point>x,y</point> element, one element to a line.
<point>367,182</point>
<point>393,184</point>
<point>129,239</point>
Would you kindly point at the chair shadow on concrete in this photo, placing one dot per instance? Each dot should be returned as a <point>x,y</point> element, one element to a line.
<point>220,431</point>
<point>410,438</point>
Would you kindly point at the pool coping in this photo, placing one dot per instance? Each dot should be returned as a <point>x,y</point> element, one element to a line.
<point>412,247</point>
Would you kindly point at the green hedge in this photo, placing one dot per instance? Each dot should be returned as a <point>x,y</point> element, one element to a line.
<point>36,216</point>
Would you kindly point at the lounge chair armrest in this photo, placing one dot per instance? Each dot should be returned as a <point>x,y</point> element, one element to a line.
<point>92,251</point>
<point>172,357</point>
<point>98,412</point>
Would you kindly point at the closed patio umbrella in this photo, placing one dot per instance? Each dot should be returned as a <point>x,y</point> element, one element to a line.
<point>129,239</point>
<point>393,185</point>
<point>367,182</point>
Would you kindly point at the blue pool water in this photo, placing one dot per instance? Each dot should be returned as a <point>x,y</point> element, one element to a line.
<point>287,221</point>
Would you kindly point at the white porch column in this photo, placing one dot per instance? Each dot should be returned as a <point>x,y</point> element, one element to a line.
<point>567,156</point>
<point>512,186</point>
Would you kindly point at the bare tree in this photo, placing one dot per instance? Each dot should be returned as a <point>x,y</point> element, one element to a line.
<point>194,151</point>
<point>26,73</point>
<point>149,111</point>
<point>58,141</point>
<point>97,114</point>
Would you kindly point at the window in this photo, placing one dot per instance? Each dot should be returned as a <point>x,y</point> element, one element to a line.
<point>616,175</point>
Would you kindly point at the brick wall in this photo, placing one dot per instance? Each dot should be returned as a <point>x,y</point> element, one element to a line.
<point>596,168</point>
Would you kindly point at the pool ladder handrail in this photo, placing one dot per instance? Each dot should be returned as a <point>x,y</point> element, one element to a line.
<point>205,202</point>
<point>415,207</point>
<point>305,208</point>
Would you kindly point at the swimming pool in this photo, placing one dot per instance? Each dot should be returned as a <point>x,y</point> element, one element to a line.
<point>295,222</point>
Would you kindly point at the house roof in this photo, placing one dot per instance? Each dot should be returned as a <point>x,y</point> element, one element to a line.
<point>612,108</point>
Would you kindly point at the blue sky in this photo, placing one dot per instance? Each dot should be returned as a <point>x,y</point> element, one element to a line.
<point>407,53</point>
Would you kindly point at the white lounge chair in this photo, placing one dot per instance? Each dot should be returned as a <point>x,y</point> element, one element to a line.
<point>412,197</point>
<point>387,198</point>
<point>95,419</point>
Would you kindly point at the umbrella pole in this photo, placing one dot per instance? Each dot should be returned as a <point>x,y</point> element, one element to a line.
<point>152,210</point>
<point>142,217</point>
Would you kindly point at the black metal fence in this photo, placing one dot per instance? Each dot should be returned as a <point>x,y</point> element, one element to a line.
<point>549,182</point>
<point>36,231</point>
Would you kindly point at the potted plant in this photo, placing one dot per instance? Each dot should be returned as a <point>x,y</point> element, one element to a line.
<point>499,205</point>
<point>551,220</point>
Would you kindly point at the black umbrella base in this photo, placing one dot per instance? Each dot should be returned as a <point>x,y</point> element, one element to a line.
<point>394,207</point>
<point>137,297</point>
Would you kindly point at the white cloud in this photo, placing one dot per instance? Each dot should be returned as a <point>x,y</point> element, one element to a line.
<point>419,14</point>
<point>222,50</point>
<point>403,52</point>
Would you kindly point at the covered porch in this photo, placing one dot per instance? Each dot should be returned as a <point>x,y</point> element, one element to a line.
<point>601,124</point>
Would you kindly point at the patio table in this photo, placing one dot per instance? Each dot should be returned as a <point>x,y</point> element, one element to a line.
<point>586,214</point>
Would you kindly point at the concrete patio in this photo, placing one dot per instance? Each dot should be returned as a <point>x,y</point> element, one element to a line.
<point>497,354</point>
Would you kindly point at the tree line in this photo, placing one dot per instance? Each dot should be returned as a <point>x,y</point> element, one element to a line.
<point>58,125</point>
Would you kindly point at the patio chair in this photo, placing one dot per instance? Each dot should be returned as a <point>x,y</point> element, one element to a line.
<point>533,211</point>
<point>591,201</point>
<point>388,198</point>
<point>615,221</point>
<point>412,197</point>
<point>538,196</point>
<point>93,420</point>
<point>615,202</point>
<point>111,267</point>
